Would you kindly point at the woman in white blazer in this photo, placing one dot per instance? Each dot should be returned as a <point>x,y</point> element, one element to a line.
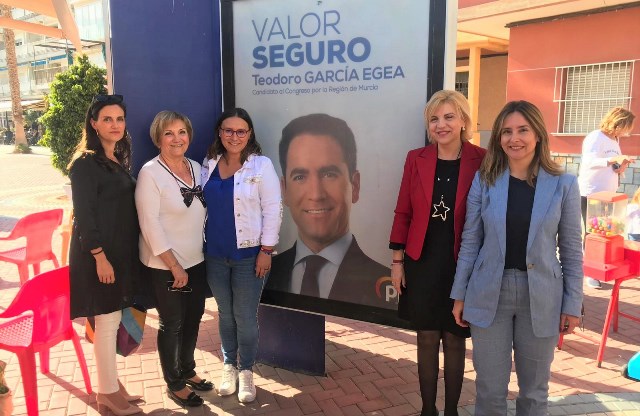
<point>518,280</point>
<point>242,191</point>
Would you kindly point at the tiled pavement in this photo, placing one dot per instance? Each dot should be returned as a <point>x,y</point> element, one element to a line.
<point>370,369</point>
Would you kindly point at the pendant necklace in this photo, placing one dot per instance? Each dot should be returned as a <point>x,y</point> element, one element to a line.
<point>177,178</point>
<point>441,209</point>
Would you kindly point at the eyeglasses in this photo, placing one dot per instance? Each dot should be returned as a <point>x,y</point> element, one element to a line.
<point>112,98</point>
<point>241,133</point>
<point>184,289</point>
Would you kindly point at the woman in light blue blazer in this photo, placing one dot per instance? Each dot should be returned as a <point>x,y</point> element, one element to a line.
<point>518,280</point>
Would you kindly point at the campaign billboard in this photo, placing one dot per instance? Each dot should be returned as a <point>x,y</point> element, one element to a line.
<point>336,90</point>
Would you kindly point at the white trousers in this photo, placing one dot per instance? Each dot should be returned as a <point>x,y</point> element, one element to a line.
<point>104,351</point>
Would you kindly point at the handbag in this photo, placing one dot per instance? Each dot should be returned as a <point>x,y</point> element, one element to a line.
<point>6,397</point>
<point>130,331</point>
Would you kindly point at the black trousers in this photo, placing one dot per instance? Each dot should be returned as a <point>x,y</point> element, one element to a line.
<point>180,315</point>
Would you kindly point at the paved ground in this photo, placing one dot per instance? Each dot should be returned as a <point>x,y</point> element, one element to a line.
<point>370,369</point>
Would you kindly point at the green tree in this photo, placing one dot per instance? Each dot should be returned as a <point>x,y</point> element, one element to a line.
<point>70,95</point>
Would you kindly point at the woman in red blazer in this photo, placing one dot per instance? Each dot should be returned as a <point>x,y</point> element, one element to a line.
<point>425,239</point>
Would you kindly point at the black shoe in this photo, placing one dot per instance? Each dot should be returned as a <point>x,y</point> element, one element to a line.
<point>202,385</point>
<point>433,412</point>
<point>192,401</point>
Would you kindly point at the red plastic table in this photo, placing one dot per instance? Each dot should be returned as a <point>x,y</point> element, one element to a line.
<point>618,273</point>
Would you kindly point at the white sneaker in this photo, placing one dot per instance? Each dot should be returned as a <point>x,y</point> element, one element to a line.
<point>247,390</point>
<point>594,283</point>
<point>228,381</point>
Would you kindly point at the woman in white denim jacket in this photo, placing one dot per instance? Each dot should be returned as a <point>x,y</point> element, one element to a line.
<point>244,207</point>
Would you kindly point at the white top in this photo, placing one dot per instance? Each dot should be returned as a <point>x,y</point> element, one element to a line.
<point>595,175</point>
<point>165,221</point>
<point>257,201</point>
<point>333,253</point>
<point>633,219</point>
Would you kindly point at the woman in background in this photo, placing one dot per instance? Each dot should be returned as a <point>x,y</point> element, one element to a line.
<point>633,217</point>
<point>425,243</point>
<point>242,191</point>
<point>510,286</point>
<point>603,162</point>
<point>172,211</point>
<point>104,243</point>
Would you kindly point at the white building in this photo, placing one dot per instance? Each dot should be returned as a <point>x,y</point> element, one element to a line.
<point>40,57</point>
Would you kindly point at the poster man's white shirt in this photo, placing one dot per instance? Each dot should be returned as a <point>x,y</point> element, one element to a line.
<point>334,253</point>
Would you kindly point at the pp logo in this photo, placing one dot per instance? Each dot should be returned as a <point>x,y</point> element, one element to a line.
<point>385,289</point>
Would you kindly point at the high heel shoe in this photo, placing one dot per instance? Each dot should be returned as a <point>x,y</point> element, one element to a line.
<point>106,402</point>
<point>128,397</point>
<point>131,397</point>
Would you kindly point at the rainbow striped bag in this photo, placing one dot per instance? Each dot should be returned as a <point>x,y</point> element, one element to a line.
<point>130,330</point>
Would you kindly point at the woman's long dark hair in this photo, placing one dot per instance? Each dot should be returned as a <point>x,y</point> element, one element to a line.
<point>90,142</point>
<point>217,148</point>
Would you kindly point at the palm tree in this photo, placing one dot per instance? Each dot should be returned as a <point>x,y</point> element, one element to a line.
<point>14,81</point>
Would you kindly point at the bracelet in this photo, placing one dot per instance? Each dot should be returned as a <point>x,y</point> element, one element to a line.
<point>394,261</point>
<point>267,251</point>
<point>97,252</point>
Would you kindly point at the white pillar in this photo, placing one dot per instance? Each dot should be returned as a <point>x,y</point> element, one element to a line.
<point>450,44</point>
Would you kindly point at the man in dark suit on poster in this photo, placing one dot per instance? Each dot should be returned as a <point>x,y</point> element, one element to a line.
<point>320,182</point>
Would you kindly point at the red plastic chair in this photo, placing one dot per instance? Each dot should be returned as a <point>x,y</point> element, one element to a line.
<point>38,229</point>
<point>46,298</point>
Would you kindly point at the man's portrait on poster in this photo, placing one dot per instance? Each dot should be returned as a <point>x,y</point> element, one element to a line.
<point>320,183</point>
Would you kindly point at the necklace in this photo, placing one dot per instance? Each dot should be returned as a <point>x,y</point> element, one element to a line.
<point>173,173</point>
<point>457,157</point>
<point>441,209</point>
<point>187,192</point>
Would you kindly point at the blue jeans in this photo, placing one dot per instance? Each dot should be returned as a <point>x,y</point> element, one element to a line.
<point>512,330</point>
<point>237,291</point>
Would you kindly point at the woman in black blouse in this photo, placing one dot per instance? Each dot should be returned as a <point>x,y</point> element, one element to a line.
<point>425,239</point>
<point>104,246</point>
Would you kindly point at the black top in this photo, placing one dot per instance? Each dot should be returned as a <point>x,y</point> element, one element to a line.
<point>519,207</point>
<point>104,216</point>
<point>425,301</point>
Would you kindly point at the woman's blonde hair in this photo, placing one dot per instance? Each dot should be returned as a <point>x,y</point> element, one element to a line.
<point>617,118</point>
<point>635,199</point>
<point>162,120</point>
<point>458,101</point>
<point>496,160</point>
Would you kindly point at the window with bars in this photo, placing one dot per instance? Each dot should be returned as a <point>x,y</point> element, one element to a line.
<point>462,83</point>
<point>585,93</point>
